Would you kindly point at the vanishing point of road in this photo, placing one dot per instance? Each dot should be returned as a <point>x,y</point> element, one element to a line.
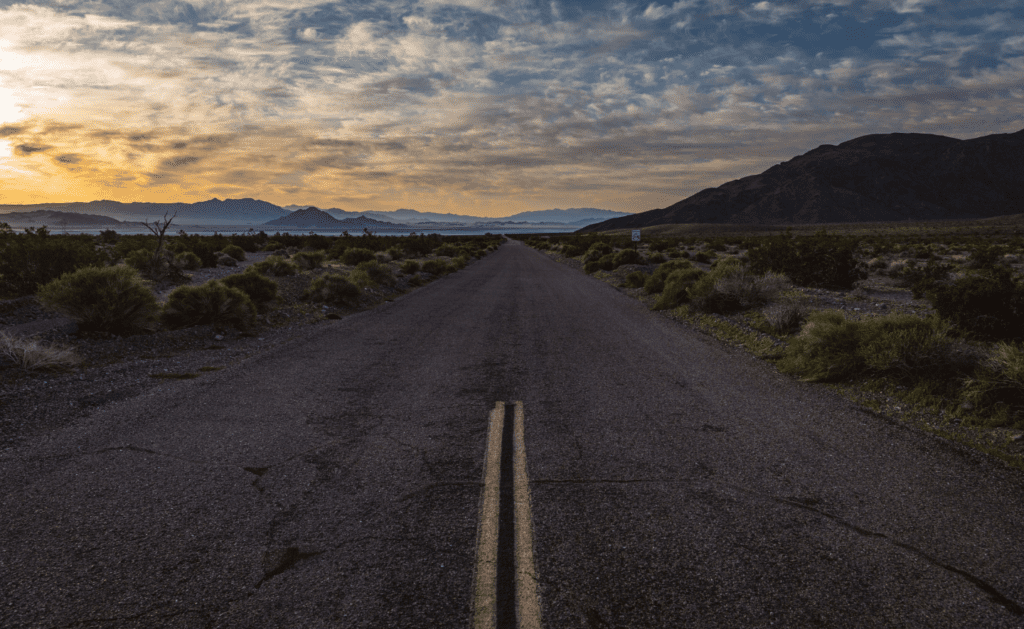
<point>516,444</point>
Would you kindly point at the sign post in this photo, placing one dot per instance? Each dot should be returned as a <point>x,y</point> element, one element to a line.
<point>636,238</point>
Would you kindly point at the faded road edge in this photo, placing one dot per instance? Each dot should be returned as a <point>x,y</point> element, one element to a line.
<point>485,587</point>
<point>528,605</point>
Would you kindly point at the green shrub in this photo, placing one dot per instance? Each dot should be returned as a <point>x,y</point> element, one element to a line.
<point>260,289</point>
<point>235,252</point>
<point>676,286</point>
<point>416,280</point>
<point>702,256</point>
<point>105,299</point>
<point>309,260</point>
<point>658,258</point>
<point>998,384</point>
<point>332,288</point>
<point>275,265</point>
<point>29,260</point>
<point>604,263</point>
<point>628,256</point>
<point>410,266</point>
<point>273,245</point>
<point>597,251</point>
<point>988,304</point>
<point>187,260</point>
<point>821,260</point>
<point>572,251</point>
<point>904,347</point>
<point>372,272</point>
<point>212,303</point>
<point>357,255</point>
<point>635,279</point>
<point>436,267</point>
<point>447,249</point>
<point>460,261</point>
<point>141,260</point>
<point>396,253</point>
<point>656,282</point>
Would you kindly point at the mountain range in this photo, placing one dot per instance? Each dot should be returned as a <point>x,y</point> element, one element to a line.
<point>878,177</point>
<point>253,212</point>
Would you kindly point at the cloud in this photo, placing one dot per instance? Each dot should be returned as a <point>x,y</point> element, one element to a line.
<point>433,104</point>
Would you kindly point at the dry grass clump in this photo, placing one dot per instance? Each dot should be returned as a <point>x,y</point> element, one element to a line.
<point>30,353</point>
<point>785,317</point>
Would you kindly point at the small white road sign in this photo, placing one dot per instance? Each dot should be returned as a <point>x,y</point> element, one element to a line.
<point>636,235</point>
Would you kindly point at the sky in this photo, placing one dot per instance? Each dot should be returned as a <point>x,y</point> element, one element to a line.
<point>481,107</point>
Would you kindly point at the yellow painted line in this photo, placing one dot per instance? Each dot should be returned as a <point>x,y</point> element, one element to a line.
<point>527,603</point>
<point>485,589</point>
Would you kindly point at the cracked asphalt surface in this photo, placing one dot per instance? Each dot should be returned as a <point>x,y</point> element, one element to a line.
<point>335,482</point>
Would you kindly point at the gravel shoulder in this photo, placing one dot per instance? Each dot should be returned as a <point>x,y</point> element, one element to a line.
<point>877,295</point>
<point>116,368</point>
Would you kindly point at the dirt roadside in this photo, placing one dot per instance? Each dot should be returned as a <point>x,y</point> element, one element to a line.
<point>115,368</point>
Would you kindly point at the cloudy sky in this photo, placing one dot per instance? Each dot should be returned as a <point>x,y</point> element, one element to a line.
<point>485,107</point>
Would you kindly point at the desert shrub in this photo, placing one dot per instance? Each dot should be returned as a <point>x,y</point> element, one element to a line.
<point>572,251</point>
<point>906,348</point>
<point>446,249</point>
<point>658,258</point>
<point>104,299</point>
<point>825,349</point>
<point>371,273</point>
<point>29,353</point>
<point>416,280</point>
<point>676,286</point>
<point>820,261</point>
<point>436,267</point>
<point>628,256</point>
<point>396,253</point>
<point>308,260</point>
<point>212,303</point>
<point>460,261</point>
<point>876,264</point>
<point>597,251</point>
<point>107,236</point>
<point>410,266</point>
<point>235,252</point>
<point>332,288</point>
<point>187,260</point>
<point>999,384</point>
<point>920,278</point>
<point>684,254</point>
<point>656,282</point>
<point>784,317</point>
<point>273,245</point>
<point>140,260</point>
<point>729,287</point>
<point>635,279</point>
<point>275,265</point>
<point>29,260</point>
<point>357,255</point>
<point>604,263</point>
<point>988,304</point>
<point>260,289</point>
<point>702,256</point>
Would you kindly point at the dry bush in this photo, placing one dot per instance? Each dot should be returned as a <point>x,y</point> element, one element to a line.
<point>34,354</point>
<point>785,317</point>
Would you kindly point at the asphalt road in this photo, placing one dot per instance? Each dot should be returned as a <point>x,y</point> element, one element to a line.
<point>336,483</point>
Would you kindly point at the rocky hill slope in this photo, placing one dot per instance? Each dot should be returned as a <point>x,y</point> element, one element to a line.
<point>879,177</point>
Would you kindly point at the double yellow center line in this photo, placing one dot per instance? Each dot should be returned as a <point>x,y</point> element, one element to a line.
<point>505,590</point>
